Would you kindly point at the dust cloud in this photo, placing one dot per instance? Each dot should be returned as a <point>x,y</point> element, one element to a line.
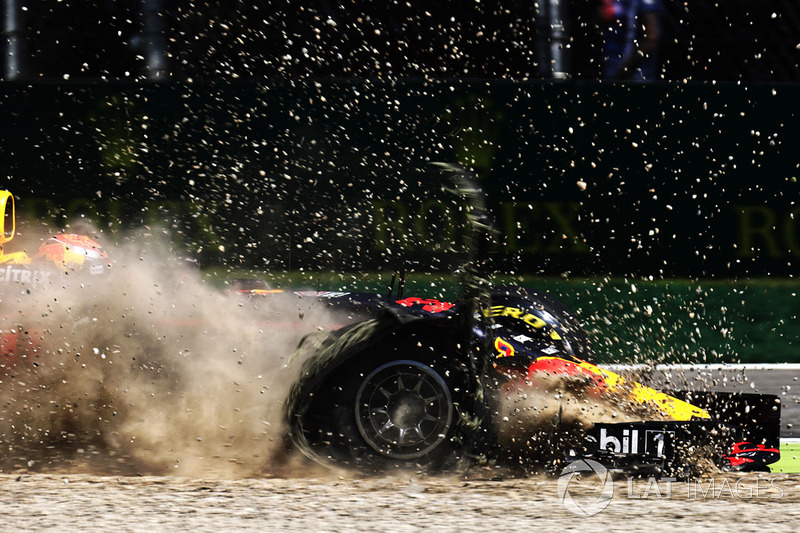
<point>147,369</point>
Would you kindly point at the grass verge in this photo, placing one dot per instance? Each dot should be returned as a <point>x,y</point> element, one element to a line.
<point>790,458</point>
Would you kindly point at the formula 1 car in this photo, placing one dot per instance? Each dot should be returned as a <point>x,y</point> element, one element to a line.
<point>429,385</point>
<point>20,273</point>
<point>502,375</point>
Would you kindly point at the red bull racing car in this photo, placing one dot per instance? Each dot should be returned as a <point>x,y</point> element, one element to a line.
<point>503,375</point>
<point>19,271</point>
<point>431,385</point>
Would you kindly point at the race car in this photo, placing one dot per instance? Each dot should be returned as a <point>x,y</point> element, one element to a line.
<point>503,375</point>
<point>20,273</point>
<point>432,385</point>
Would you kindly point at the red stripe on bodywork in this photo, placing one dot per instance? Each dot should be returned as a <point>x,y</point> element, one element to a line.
<point>556,366</point>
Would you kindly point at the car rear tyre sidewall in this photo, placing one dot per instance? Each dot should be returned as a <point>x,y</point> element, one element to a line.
<point>404,410</point>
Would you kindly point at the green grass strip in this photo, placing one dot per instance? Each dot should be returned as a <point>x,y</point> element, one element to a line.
<point>790,459</point>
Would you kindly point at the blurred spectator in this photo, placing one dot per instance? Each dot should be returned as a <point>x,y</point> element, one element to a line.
<point>631,33</point>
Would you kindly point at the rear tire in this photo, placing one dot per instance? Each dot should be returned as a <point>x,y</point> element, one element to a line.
<point>404,410</point>
<point>398,409</point>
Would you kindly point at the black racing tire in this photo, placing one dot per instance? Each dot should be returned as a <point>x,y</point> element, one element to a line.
<point>395,406</point>
<point>404,410</point>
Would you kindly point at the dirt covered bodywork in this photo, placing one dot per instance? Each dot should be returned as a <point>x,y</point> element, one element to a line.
<point>420,385</point>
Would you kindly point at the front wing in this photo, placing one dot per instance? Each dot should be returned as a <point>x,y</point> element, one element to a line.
<point>743,434</point>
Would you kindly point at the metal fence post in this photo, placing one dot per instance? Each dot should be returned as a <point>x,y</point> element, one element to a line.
<point>12,66</point>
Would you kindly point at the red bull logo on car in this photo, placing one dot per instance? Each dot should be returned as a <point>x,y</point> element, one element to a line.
<point>70,251</point>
